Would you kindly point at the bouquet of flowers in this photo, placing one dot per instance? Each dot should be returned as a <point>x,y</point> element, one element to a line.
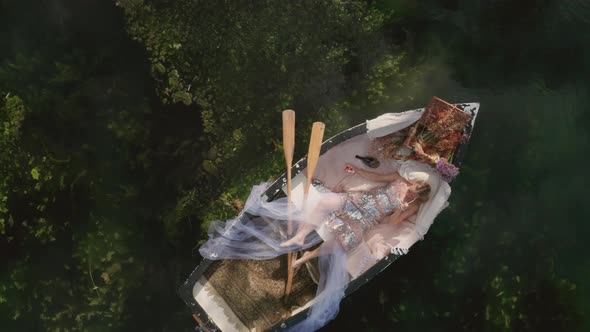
<point>435,137</point>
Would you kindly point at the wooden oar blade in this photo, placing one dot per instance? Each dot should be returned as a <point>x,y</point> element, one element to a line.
<point>313,154</point>
<point>289,135</point>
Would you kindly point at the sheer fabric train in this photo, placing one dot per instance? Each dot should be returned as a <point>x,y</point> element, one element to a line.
<point>256,233</point>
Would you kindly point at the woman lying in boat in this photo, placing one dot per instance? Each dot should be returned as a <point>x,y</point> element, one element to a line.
<point>258,232</point>
<point>347,215</point>
<point>352,214</point>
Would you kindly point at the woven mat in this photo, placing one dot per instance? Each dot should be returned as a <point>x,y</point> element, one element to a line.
<point>254,290</point>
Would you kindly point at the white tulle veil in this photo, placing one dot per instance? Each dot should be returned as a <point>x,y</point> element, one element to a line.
<point>258,231</point>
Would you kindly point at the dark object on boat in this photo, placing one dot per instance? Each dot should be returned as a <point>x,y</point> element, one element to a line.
<point>248,294</point>
<point>369,161</point>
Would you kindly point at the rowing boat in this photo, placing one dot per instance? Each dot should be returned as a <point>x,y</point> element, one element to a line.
<point>248,295</point>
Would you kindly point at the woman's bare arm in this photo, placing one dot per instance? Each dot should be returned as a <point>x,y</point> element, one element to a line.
<point>372,176</point>
<point>400,215</point>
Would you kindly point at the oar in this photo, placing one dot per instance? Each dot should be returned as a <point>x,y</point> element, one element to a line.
<point>288,147</point>
<point>313,155</point>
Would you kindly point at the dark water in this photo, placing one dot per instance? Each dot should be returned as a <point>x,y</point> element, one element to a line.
<point>510,253</point>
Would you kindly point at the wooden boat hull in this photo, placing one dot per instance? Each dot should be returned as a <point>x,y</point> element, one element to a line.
<point>186,290</point>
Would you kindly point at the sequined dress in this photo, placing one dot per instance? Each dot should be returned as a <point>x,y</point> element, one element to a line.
<point>362,210</point>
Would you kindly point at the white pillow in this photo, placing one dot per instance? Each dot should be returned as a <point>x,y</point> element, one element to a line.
<point>412,170</point>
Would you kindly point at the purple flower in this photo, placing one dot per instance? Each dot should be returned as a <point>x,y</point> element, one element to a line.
<point>464,138</point>
<point>447,170</point>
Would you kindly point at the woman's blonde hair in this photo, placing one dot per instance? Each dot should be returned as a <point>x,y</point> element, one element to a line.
<point>422,191</point>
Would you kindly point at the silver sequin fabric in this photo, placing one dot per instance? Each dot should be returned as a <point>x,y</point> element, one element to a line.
<point>362,210</point>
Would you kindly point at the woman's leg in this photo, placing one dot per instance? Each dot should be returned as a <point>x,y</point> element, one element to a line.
<point>299,238</point>
<point>307,256</point>
<point>326,205</point>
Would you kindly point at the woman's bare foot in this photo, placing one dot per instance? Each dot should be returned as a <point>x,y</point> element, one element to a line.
<point>294,241</point>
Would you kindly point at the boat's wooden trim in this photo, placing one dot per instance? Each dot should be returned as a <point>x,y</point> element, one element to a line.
<point>186,289</point>
<point>200,322</point>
